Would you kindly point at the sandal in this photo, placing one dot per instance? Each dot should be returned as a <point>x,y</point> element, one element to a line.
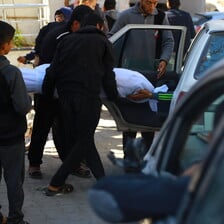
<point>3,219</point>
<point>35,172</point>
<point>81,172</point>
<point>54,191</point>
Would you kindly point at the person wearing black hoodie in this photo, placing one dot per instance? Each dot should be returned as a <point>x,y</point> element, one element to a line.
<point>82,65</point>
<point>61,16</point>
<point>46,110</point>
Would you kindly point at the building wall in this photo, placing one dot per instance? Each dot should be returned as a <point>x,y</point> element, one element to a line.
<point>27,22</point>
<point>193,6</point>
<point>53,6</point>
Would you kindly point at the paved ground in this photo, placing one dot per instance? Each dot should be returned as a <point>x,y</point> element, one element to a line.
<point>72,208</point>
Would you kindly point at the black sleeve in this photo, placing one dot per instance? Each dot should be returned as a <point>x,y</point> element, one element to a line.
<point>109,81</point>
<point>48,86</point>
<point>48,45</point>
<point>30,56</point>
<point>39,39</point>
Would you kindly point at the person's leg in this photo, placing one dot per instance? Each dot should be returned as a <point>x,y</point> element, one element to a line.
<point>43,120</point>
<point>148,138</point>
<point>133,197</point>
<point>81,123</point>
<point>45,111</point>
<point>126,135</point>
<point>57,132</point>
<point>13,166</point>
<point>90,122</point>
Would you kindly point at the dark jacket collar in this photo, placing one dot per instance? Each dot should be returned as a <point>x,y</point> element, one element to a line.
<point>90,29</point>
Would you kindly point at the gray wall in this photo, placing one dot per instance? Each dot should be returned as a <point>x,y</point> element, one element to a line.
<point>193,6</point>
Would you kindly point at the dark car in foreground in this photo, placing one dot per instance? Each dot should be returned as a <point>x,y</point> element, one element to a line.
<point>192,136</point>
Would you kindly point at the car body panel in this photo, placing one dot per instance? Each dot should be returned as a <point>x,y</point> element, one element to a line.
<point>172,142</point>
<point>206,49</point>
<point>200,18</point>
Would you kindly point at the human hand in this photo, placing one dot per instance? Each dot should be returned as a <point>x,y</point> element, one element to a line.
<point>140,95</point>
<point>21,59</point>
<point>36,61</point>
<point>161,69</point>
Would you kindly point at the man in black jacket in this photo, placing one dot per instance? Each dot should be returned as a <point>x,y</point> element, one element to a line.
<point>46,110</point>
<point>161,45</point>
<point>179,17</point>
<point>61,16</point>
<point>82,65</point>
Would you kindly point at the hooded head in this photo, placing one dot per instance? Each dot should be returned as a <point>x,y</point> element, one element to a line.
<point>65,11</point>
<point>77,16</point>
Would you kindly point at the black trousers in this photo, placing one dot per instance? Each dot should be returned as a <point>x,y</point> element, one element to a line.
<point>147,136</point>
<point>46,110</point>
<point>81,115</point>
<point>12,162</point>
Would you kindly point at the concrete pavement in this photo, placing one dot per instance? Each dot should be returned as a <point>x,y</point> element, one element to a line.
<point>73,207</point>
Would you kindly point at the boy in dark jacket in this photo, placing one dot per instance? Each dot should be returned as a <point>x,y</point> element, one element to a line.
<point>15,104</point>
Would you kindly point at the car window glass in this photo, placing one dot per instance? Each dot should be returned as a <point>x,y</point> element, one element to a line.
<point>195,148</point>
<point>209,208</point>
<point>212,53</point>
<point>197,39</point>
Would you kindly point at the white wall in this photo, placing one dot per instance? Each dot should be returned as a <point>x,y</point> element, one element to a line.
<point>193,6</point>
<point>53,6</point>
<point>121,4</point>
<point>26,20</point>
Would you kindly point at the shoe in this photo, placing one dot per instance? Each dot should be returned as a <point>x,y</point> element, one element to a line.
<point>82,172</point>
<point>35,172</point>
<point>55,191</point>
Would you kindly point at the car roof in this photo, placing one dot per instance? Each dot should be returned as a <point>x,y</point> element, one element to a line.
<point>201,18</point>
<point>215,25</point>
<point>213,13</point>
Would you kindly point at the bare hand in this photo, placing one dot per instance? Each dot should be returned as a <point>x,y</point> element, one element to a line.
<point>161,69</point>
<point>36,61</point>
<point>21,59</point>
<point>140,95</point>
